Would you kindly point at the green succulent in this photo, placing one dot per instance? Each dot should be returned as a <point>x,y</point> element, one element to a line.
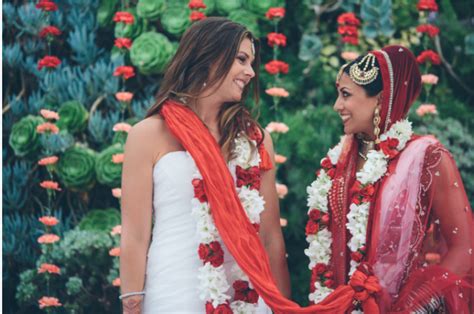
<point>130,30</point>
<point>106,11</point>
<point>248,19</point>
<point>260,7</point>
<point>151,52</point>
<point>150,9</point>
<point>109,173</point>
<point>228,6</point>
<point>100,220</point>
<point>72,116</point>
<point>76,168</point>
<point>23,138</point>
<point>175,20</point>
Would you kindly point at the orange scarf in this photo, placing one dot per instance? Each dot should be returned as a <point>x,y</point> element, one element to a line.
<point>235,229</point>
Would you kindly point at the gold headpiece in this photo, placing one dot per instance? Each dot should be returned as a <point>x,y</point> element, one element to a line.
<point>339,74</point>
<point>358,71</point>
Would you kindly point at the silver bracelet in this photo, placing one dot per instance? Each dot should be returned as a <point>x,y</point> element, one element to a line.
<point>129,294</point>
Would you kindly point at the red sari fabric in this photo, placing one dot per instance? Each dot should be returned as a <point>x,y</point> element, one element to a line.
<point>230,219</point>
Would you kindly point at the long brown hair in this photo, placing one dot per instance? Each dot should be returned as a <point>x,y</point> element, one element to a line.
<point>206,54</point>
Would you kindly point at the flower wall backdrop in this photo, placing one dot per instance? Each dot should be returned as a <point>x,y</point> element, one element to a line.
<point>79,73</point>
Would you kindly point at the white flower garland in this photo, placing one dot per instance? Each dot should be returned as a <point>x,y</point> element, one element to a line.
<point>214,285</point>
<point>319,250</point>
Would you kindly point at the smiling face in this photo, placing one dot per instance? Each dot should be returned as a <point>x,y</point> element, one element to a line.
<point>355,107</point>
<point>239,74</point>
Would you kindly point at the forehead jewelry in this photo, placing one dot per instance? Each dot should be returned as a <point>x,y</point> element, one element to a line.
<point>360,72</point>
<point>339,74</point>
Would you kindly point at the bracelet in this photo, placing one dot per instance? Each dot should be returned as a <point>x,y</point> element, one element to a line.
<point>129,294</point>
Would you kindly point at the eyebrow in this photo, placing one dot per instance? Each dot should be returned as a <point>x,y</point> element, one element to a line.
<point>252,59</point>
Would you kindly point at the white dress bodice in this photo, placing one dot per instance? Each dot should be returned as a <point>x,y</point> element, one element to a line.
<point>171,282</point>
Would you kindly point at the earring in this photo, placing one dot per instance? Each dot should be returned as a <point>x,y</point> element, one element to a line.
<point>204,84</point>
<point>376,124</point>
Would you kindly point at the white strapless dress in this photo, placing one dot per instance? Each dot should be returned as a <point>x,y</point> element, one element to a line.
<point>171,282</point>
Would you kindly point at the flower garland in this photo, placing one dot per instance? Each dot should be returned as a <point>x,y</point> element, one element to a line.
<point>318,235</point>
<point>214,284</point>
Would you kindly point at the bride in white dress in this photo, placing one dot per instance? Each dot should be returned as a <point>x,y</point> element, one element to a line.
<point>212,71</point>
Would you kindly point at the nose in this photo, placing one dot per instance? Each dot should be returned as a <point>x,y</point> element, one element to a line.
<point>249,71</point>
<point>338,105</point>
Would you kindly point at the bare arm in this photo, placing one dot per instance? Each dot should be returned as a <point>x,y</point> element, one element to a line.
<point>270,229</point>
<point>137,185</point>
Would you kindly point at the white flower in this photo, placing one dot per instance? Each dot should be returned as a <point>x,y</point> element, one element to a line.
<point>357,225</point>
<point>400,130</point>
<point>335,152</point>
<point>245,156</point>
<point>320,293</point>
<point>252,202</point>
<point>374,168</point>
<point>213,284</point>
<point>319,250</point>
<point>240,307</point>
<point>318,192</point>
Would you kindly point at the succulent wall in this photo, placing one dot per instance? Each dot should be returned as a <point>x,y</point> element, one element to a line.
<point>97,65</point>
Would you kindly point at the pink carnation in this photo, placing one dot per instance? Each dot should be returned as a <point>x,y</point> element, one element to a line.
<point>46,161</point>
<point>49,221</point>
<point>430,79</point>
<point>426,109</point>
<point>282,190</point>
<point>283,222</point>
<point>48,302</point>
<point>116,282</point>
<point>49,114</point>
<point>277,127</point>
<point>48,238</point>
<point>117,192</point>
<point>47,127</point>
<point>280,159</point>
<point>115,252</point>
<point>50,185</point>
<point>122,127</point>
<point>124,96</point>
<point>116,230</point>
<point>277,92</point>
<point>49,268</point>
<point>117,158</point>
<point>349,55</point>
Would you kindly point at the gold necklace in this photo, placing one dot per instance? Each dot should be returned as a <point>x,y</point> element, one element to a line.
<point>364,147</point>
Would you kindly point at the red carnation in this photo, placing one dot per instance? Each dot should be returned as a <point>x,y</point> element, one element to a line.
<point>203,251</point>
<point>209,308</point>
<point>211,253</point>
<point>328,274</point>
<point>199,192</point>
<point>275,13</point>
<point>320,268</point>
<point>356,256</point>
<point>326,163</point>
<point>329,283</point>
<point>428,56</point>
<point>124,17</point>
<point>348,19</point>
<point>389,147</point>
<point>252,296</point>
<point>49,31</point>
<point>46,5</point>
<point>49,62</point>
<point>350,40</point>
<point>324,219</point>
<point>331,173</point>
<point>240,285</point>
<point>124,71</point>
<point>314,214</point>
<point>276,39</point>
<point>196,4</point>
<point>249,177</point>
<point>427,5</point>
<point>429,29</point>
<point>276,66</point>
<point>223,309</point>
<point>123,43</point>
<point>312,227</point>
<point>197,16</point>
<point>348,30</point>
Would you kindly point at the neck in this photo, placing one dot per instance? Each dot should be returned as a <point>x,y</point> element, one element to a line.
<point>207,108</point>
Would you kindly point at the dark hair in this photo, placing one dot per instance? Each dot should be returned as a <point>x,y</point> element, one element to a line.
<point>206,54</point>
<point>373,88</point>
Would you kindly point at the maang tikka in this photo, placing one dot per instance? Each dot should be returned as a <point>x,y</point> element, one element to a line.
<point>361,74</point>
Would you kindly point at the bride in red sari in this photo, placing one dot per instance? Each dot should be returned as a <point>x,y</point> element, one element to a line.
<point>388,213</point>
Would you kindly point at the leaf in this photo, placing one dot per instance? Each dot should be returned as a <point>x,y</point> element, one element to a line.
<point>469,44</point>
<point>310,47</point>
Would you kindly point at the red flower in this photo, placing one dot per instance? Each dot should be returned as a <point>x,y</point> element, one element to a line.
<point>252,296</point>
<point>249,177</point>
<point>329,283</point>
<point>357,256</point>
<point>389,147</point>
<point>199,192</point>
<point>348,19</point>
<point>49,31</point>
<point>223,309</point>
<point>326,163</point>
<point>312,227</point>
<point>428,56</point>
<point>125,71</point>
<point>196,4</point>
<point>320,268</point>
<point>350,40</point>
<point>123,43</point>
<point>49,62</point>
<point>427,5</point>
<point>324,219</point>
<point>275,13</point>
<point>314,214</point>
<point>46,5</point>
<point>197,16</point>
<point>429,29</point>
<point>209,308</point>
<point>276,39</point>
<point>363,193</point>
<point>124,17</point>
<point>331,173</point>
<point>348,30</point>
<point>276,66</point>
<point>328,274</point>
<point>211,253</point>
<point>240,285</point>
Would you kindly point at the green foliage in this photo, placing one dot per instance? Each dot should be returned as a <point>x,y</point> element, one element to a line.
<point>23,138</point>
<point>130,30</point>
<point>73,116</point>
<point>260,7</point>
<point>227,6</point>
<point>248,19</point>
<point>377,15</point>
<point>109,173</point>
<point>150,9</point>
<point>175,20</point>
<point>76,168</point>
<point>100,220</point>
<point>151,52</point>
<point>106,11</point>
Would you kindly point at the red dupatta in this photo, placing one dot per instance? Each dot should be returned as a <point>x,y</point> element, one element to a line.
<point>235,229</point>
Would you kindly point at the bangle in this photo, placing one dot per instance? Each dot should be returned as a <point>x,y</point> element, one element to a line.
<point>129,294</point>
